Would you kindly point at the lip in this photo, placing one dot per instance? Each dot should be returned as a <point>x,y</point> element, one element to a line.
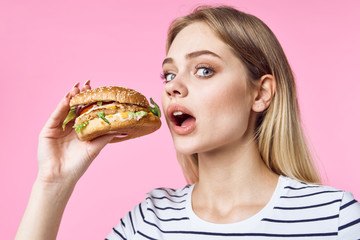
<point>178,129</point>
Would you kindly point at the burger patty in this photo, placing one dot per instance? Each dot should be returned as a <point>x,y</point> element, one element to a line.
<point>108,109</point>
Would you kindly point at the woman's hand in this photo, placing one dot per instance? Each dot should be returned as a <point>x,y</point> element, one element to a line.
<point>62,157</point>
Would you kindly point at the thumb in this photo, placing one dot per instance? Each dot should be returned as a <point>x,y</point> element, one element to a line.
<point>97,144</point>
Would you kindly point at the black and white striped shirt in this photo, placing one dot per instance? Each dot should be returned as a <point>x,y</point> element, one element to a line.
<point>295,211</point>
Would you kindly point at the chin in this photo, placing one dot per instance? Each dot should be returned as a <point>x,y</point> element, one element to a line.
<point>185,147</point>
<point>185,151</point>
<point>190,148</point>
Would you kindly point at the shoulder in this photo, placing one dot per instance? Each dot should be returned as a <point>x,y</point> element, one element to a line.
<point>162,208</point>
<point>160,198</point>
<point>349,217</point>
<point>311,199</point>
<point>166,208</point>
<point>297,189</point>
<point>322,203</point>
<point>321,195</point>
<point>170,191</point>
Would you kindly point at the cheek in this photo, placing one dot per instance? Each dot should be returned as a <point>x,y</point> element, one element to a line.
<point>229,110</point>
<point>164,101</point>
<point>229,100</point>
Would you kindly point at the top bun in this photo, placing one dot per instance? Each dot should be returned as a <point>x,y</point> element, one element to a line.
<point>108,94</point>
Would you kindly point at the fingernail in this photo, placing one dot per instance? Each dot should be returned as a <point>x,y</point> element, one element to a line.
<point>120,136</point>
<point>67,95</point>
<point>87,82</point>
<point>76,85</point>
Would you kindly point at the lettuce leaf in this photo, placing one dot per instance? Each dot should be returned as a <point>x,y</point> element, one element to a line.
<point>102,116</point>
<point>81,126</point>
<point>71,115</point>
<point>155,110</point>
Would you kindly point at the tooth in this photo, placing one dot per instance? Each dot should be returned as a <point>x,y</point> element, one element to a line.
<point>178,113</point>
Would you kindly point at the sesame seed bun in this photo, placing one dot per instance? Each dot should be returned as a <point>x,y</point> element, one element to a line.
<point>110,93</point>
<point>119,103</point>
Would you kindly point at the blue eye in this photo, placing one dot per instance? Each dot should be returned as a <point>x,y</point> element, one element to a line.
<point>204,72</point>
<point>169,76</point>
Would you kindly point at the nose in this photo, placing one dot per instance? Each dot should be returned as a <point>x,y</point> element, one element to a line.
<point>176,88</point>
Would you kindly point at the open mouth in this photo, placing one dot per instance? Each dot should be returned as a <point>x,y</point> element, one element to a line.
<point>182,119</point>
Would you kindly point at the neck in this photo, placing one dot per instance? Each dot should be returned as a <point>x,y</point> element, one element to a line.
<point>234,174</point>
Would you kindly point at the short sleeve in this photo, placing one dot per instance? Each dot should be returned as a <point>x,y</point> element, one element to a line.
<point>128,225</point>
<point>349,218</point>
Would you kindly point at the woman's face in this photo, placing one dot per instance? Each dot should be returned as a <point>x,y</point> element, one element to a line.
<point>206,80</point>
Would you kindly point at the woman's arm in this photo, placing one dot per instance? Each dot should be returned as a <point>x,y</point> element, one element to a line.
<point>44,211</point>
<point>63,159</point>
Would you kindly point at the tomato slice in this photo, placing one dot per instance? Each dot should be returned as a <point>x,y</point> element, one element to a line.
<point>85,110</point>
<point>88,108</point>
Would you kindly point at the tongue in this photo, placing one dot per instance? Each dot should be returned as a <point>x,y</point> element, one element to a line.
<point>188,121</point>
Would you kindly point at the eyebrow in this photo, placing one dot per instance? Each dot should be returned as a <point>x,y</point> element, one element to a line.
<point>193,55</point>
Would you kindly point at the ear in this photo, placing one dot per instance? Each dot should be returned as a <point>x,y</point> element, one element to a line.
<point>265,91</point>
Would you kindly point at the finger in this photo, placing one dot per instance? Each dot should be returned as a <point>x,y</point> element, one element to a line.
<point>86,86</point>
<point>98,144</point>
<point>59,113</point>
<point>120,138</point>
<point>74,90</point>
<point>62,109</point>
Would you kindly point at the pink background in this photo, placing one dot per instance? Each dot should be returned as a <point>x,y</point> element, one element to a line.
<point>47,46</point>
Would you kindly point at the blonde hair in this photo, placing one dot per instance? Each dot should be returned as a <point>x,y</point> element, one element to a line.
<point>279,134</point>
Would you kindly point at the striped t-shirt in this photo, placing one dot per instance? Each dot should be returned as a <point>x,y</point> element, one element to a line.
<point>296,210</point>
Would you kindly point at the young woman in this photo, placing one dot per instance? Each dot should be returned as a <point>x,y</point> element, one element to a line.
<point>240,144</point>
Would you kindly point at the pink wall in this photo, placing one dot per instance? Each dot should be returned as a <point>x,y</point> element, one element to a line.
<point>46,47</point>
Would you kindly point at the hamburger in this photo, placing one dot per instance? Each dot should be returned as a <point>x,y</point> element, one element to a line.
<point>112,110</point>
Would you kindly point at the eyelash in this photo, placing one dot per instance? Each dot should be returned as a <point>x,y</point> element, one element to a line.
<point>207,66</point>
<point>200,66</point>
<point>163,77</point>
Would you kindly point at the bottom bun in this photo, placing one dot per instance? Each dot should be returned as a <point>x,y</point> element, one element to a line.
<point>130,128</point>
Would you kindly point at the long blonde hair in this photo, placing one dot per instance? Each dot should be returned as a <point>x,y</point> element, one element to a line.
<point>279,134</point>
